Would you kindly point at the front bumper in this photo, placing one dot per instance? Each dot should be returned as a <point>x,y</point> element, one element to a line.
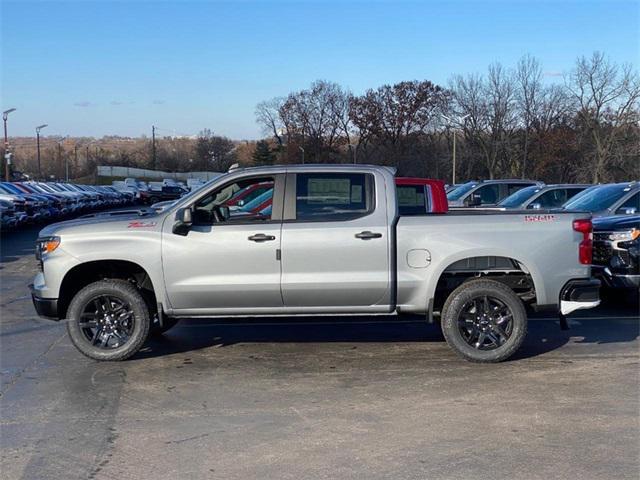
<point>579,295</point>
<point>45,307</point>
<point>615,279</point>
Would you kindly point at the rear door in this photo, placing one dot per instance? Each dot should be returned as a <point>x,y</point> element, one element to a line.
<point>335,252</point>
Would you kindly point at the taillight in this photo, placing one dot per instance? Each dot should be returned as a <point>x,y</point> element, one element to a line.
<point>585,249</point>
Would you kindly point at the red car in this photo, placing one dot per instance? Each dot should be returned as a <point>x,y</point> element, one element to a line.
<point>247,194</point>
<point>417,196</point>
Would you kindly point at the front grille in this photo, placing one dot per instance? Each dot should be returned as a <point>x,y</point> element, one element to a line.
<point>602,252</point>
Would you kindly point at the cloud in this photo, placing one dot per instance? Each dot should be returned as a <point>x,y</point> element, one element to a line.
<point>553,74</point>
<point>158,102</point>
<point>115,102</point>
<point>83,103</point>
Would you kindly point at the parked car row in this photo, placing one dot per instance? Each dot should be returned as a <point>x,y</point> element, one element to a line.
<point>149,193</point>
<point>600,200</point>
<point>39,202</point>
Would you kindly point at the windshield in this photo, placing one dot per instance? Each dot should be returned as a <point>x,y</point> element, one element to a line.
<point>518,198</point>
<point>597,198</point>
<point>195,191</point>
<point>459,192</point>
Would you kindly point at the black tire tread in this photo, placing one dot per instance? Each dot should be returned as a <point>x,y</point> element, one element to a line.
<point>137,302</point>
<point>490,356</point>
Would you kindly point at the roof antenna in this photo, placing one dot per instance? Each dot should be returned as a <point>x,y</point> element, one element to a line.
<point>233,167</point>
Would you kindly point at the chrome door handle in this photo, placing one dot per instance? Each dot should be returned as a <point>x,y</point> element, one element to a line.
<point>367,235</point>
<point>261,237</point>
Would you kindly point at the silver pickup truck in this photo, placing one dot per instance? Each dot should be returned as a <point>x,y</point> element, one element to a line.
<point>309,240</point>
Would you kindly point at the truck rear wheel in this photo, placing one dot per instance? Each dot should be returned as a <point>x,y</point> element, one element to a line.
<point>108,320</point>
<point>484,321</point>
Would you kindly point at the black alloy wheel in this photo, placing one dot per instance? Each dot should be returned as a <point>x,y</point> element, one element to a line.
<point>485,323</point>
<point>107,322</point>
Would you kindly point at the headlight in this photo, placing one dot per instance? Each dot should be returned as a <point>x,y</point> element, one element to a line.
<point>624,236</point>
<point>46,245</point>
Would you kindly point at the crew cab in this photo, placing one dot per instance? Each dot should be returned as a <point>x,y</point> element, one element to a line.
<point>333,243</point>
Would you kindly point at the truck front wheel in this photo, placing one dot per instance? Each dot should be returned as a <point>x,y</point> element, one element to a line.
<point>484,321</point>
<point>108,320</point>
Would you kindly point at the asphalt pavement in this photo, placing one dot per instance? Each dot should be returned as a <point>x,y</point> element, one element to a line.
<point>315,398</point>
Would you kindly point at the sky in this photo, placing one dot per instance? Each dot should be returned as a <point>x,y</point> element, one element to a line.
<point>94,68</point>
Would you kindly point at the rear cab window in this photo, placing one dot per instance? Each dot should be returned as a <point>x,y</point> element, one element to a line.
<point>413,199</point>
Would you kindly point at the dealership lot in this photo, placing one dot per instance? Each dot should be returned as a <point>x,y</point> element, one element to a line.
<point>364,397</point>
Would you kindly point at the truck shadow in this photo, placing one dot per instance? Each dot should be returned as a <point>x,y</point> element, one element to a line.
<point>544,335</point>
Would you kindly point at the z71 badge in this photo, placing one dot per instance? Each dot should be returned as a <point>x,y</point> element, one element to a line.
<point>540,218</point>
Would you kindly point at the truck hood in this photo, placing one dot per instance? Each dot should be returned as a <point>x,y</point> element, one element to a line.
<point>107,221</point>
<point>617,222</point>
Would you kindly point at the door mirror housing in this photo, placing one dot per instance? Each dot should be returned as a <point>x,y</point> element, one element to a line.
<point>183,221</point>
<point>535,206</point>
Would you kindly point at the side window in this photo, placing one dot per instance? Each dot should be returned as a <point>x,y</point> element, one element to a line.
<point>552,198</point>
<point>219,205</point>
<point>514,187</point>
<point>571,192</point>
<point>488,194</point>
<point>632,202</point>
<point>333,196</point>
<point>412,200</point>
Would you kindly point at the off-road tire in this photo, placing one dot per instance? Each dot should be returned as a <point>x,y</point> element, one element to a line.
<point>476,289</point>
<point>119,289</point>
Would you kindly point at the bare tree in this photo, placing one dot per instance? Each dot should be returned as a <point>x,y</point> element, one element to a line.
<point>607,98</point>
<point>268,117</point>
<point>529,84</point>
<point>489,107</point>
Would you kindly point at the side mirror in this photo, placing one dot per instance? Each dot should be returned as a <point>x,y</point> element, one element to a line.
<point>474,200</point>
<point>183,221</point>
<point>535,206</point>
<point>240,203</point>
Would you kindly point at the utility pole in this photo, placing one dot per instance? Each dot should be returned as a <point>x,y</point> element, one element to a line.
<point>302,150</point>
<point>38,128</point>
<point>450,121</point>
<point>7,154</point>
<point>75,162</point>
<point>153,146</point>
<point>60,153</point>
<point>355,152</point>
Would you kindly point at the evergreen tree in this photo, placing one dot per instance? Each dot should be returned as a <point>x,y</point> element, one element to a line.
<point>263,155</point>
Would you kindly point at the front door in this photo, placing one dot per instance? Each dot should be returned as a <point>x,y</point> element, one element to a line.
<point>226,264</point>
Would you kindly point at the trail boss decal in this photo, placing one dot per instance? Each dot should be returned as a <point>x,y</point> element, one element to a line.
<point>539,218</point>
<point>140,224</point>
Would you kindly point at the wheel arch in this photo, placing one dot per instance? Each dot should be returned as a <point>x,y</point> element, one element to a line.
<point>88,272</point>
<point>501,267</point>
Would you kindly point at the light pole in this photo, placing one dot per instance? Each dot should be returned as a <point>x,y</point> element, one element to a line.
<point>302,150</point>
<point>38,128</point>
<point>7,154</point>
<point>459,121</point>
<point>355,152</point>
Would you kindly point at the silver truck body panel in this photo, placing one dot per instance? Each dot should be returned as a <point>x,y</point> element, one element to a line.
<point>315,267</point>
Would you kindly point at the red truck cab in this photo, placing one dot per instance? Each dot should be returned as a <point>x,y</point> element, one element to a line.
<point>417,196</point>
